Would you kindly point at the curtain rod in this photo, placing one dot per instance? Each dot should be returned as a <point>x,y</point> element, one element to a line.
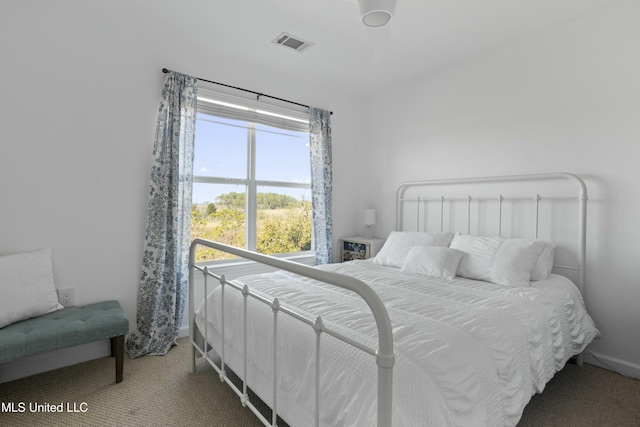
<point>258,94</point>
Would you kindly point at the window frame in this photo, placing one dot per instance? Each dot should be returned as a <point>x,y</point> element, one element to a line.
<point>276,116</point>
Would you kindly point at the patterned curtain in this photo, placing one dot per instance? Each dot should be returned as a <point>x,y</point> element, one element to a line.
<point>164,279</point>
<point>321,177</point>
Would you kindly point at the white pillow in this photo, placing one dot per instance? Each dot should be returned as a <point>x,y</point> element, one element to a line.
<point>397,246</point>
<point>498,260</point>
<point>26,286</point>
<point>544,264</point>
<point>433,261</point>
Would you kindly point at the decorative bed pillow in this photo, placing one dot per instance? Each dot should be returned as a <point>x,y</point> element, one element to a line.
<point>397,246</point>
<point>544,264</point>
<point>498,260</point>
<point>26,286</point>
<point>433,261</point>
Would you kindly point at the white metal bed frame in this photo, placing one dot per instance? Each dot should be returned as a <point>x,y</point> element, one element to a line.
<point>384,354</point>
<point>582,207</point>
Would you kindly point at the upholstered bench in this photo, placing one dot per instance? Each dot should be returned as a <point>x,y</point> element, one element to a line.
<point>66,328</point>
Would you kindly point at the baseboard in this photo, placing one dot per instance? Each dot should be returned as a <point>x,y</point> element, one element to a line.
<point>56,359</point>
<point>184,331</point>
<point>623,367</point>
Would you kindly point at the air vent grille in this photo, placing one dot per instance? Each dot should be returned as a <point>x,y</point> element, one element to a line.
<point>292,42</point>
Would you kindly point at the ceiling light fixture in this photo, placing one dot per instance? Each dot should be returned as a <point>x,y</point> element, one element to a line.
<point>376,13</point>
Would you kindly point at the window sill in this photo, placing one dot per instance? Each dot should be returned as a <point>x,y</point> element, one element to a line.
<point>307,258</point>
<point>236,268</point>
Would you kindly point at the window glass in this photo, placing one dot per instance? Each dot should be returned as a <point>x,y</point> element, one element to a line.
<point>282,155</point>
<point>261,202</point>
<point>283,220</point>
<point>218,214</point>
<point>220,147</point>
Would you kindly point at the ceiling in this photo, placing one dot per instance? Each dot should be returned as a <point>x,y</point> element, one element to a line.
<point>423,35</point>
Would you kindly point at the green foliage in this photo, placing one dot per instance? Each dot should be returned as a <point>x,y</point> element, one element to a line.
<point>232,200</point>
<point>223,225</point>
<point>290,231</point>
<point>235,200</point>
<point>277,201</point>
<point>195,213</point>
<point>283,224</point>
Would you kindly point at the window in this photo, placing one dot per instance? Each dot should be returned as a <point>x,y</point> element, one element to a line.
<point>251,177</point>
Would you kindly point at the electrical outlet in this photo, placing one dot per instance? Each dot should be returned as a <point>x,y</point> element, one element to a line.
<point>66,297</point>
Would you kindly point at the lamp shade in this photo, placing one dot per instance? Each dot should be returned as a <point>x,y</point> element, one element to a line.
<point>376,13</point>
<point>369,217</point>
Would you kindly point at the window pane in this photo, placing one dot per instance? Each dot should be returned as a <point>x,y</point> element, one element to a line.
<point>283,220</point>
<point>218,214</point>
<point>220,147</point>
<point>282,155</point>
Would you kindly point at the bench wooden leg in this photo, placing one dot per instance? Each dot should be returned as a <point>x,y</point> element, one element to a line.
<point>117,351</point>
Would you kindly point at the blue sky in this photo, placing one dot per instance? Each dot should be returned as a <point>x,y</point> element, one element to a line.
<point>221,151</point>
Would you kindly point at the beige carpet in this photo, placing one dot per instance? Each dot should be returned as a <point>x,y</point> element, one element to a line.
<point>585,397</point>
<point>155,391</point>
<point>158,391</point>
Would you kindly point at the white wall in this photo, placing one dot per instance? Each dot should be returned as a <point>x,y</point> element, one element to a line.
<point>80,88</point>
<point>79,94</point>
<point>567,100</point>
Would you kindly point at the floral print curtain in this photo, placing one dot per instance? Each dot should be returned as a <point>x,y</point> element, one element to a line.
<point>321,182</point>
<point>164,279</point>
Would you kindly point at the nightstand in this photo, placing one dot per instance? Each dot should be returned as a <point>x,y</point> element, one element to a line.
<point>359,248</point>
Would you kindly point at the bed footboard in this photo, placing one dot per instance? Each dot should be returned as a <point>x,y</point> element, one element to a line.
<point>384,354</point>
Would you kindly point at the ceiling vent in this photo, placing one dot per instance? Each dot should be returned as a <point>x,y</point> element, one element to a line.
<point>292,42</point>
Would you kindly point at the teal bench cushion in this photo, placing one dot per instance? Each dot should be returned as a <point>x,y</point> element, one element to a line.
<point>63,328</point>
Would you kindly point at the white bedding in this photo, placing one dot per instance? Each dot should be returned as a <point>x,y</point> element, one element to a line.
<point>468,353</point>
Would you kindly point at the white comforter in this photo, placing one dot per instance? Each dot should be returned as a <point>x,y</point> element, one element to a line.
<point>468,353</point>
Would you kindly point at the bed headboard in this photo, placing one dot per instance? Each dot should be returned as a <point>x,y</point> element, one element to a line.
<point>550,206</point>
